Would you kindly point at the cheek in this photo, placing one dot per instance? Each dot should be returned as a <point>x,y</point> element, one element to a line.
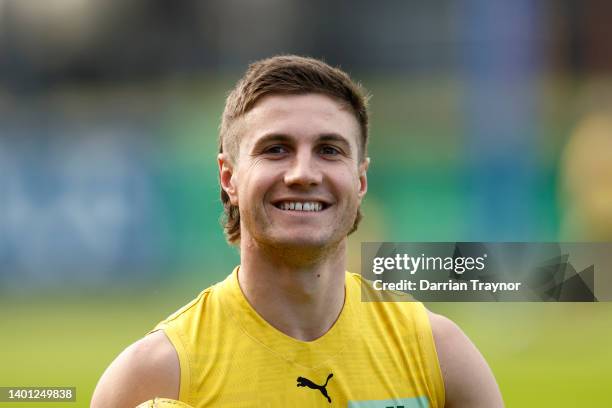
<point>256,183</point>
<point>346,181</point>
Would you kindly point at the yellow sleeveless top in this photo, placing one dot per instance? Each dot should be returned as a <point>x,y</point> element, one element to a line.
<point>376,355</point>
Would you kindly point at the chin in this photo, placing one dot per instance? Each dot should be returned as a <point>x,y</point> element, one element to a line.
<point>300,242</point>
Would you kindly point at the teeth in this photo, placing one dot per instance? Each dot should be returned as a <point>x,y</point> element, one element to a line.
<point>299,206</point>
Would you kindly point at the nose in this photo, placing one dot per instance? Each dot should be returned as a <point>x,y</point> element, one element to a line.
<point>303,171</point>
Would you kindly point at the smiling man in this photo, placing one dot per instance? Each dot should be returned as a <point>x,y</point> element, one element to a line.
<point>287,327</point>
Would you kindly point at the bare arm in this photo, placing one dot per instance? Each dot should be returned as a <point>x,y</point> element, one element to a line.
<point>468,380</point>
<point>147,369</point>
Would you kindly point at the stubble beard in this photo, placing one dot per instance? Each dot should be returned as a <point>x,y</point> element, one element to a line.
<point>295,252</point>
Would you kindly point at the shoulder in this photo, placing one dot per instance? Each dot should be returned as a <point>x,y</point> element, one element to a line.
<point>148,368</point>
<point>468,380</point>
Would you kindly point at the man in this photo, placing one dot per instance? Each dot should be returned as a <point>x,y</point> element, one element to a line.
<point>287,327</point>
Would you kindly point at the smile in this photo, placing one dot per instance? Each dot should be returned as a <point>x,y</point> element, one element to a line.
<point>308,206</point>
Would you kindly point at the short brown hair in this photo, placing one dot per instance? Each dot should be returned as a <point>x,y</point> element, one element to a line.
<point>285,74</point>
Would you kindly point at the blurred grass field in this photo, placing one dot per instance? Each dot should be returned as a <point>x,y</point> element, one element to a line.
<point>543,355</point>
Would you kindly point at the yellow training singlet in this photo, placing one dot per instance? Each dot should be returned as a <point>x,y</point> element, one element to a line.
<point>376,355</point>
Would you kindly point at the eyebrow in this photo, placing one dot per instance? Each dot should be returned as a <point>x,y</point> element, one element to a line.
<point>281,137</point>
<point>271,137</point>
<point>334,137</point>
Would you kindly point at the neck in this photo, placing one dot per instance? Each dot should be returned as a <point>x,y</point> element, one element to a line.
<point>299,293</point>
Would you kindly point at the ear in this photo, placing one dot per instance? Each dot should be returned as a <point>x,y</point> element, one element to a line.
<point>227,177</point>
<point>363,177</point>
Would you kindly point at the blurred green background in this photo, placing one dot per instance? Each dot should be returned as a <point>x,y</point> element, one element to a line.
<point>490,122</point>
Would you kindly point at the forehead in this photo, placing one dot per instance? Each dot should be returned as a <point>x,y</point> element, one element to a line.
<point>300,116</point>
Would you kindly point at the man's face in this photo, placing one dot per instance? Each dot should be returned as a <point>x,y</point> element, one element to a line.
<point>297,178</point>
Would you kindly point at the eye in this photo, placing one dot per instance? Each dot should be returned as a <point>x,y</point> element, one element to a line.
<point>330,150</point>
<point>276,149</point>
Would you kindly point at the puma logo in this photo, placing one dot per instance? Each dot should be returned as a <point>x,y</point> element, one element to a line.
<point>305,382</point>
